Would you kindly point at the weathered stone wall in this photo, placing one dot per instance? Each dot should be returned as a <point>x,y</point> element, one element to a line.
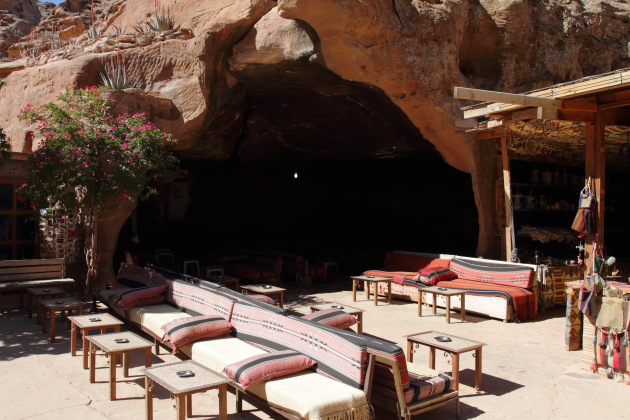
<point>411,52</point>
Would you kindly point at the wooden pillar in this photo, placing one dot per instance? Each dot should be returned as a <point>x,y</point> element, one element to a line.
<point>595,167</point>
<point>508,197</point>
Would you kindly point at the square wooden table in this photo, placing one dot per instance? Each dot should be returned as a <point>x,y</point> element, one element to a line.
<point>367,282</point>
<point>35,294</point>
<point>112,349</point>
<point>455,347</point>
<point>87,323</point>
<point>182,388</point>
<point>265,289</point>
<point>350,310</point>
<point>447,293</point>
<point>51,306</point>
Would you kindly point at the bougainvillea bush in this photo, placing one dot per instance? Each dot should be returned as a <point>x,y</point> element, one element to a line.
<point>87,155</point>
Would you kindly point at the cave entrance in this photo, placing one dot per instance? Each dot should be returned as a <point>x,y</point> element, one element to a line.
<point>321,167</point>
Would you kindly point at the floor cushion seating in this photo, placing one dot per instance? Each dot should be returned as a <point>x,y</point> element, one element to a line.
<point>493,288</point>
<point>332,389</point>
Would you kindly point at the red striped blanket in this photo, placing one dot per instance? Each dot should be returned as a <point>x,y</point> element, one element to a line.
<point>400,277</point>
<point>521,301</point>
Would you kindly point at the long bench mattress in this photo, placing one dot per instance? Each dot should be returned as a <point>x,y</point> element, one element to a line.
<point>521,301</point>
<point>307,394</point>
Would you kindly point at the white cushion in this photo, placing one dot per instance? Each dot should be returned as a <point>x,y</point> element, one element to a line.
<point>153,317</point>
<point>310,394</point>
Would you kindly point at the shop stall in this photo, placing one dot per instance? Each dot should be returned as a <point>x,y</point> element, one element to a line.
<point>562,194</point>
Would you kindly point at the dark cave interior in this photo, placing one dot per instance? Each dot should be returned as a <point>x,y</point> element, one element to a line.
<point>351,212</point>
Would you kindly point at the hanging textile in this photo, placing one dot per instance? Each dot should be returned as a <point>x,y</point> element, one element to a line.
<point>585,222</point>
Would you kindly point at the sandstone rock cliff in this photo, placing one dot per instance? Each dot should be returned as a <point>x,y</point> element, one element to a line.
<point>266,79</point>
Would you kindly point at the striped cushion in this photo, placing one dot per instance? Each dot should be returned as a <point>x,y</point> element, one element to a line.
<point>332,317</point>
<point>268,304</point>
<point>426,387</point>
<point>133,276</point>
<point>420,388</point>
<point>142,296</point>
<point>188,329</point>
<point>337,353</point>
<point>493,272</point>
<point>157,279</point>
<point>389,350</point>
<point>433,275</point>
<point>266,366</point>
<point>199,300</point>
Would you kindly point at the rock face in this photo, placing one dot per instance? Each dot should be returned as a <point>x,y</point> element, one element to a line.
<point>298,79</point>
<point>17,19</point>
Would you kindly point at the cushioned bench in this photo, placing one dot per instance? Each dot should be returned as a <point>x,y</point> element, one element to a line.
<point>497,289</point>
<point>338,386</point>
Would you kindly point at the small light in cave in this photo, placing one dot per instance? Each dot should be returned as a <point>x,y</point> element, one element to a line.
<point>295,175</point>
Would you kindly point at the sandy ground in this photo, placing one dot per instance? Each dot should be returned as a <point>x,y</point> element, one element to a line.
<point>527,374</point>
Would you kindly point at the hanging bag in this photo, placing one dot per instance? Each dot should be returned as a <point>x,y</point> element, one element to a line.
<point>586,303</point>
<point>611,336</point>
<point>586,195</point>
<point>584,222</point>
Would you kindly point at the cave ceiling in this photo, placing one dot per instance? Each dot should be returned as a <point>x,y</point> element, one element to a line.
<point>305,113</point>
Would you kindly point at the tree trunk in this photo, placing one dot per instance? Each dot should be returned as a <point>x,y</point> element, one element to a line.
<point>110,222</point>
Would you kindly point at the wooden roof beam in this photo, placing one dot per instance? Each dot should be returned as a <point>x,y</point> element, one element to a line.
<point>563,114</point>
<point>505,98</point>
<point>513,101</point>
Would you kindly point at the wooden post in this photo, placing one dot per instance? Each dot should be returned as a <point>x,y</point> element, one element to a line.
<point>508,197</point>
<point>600,176</point>
<point>595,167</point>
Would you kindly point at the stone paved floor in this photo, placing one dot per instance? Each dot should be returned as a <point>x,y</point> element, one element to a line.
<point>527,372</point>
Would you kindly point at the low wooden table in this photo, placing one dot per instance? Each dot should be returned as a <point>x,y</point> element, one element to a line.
<point>112,349</point>
<point>35,294</point>
<point>448,293</point>
<point>367,282</point>
<point>87,323</point>
<point>265,290</point>
<point>356,312</point>
<point>455,347</point>
<point>182,388</point>
<point>225,280</point>
<point>51,306</point>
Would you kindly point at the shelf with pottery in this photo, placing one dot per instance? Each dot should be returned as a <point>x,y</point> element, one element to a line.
<point>544,202</point>
<point>571,188</point>
<point>544,211</point>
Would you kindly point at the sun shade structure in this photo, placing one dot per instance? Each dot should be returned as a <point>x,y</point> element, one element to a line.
<point>584,123</point>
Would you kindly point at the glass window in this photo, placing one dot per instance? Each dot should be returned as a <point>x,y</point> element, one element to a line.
<point>6,197</point>
<point>22,203</point>
<point>6,252</point>
<point>17,223</point>
<point>25,228</point>
<point>6,227</point>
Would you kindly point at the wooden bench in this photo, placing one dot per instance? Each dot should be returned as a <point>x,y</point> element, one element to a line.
<point>19,275</point>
